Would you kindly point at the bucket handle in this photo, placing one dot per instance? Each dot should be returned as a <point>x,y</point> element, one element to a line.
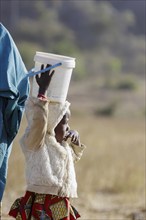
<point>32,73</point>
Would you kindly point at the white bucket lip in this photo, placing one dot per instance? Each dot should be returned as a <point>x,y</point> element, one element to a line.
<point>55,56</point>
<point>42,57</point>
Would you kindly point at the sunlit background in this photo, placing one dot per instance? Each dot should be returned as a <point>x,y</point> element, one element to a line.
<point>107,95</point>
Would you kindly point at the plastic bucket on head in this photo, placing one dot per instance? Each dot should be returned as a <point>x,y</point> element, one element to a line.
<point>58,88</point>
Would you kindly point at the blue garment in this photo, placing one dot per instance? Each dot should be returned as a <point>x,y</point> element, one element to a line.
<point>14,89</point>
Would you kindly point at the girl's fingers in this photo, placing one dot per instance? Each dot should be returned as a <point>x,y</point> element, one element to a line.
<point>48,65</point>
<point>73,139</point>
<point>68,135</point>
<point>52,73</point>
<point>37,78</point>
<point>42,66</point>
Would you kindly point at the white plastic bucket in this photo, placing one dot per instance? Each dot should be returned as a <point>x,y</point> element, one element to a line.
<point>58,88</point>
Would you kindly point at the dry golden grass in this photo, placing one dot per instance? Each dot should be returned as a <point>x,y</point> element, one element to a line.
<point>115,157</point>
<point>111,174</point>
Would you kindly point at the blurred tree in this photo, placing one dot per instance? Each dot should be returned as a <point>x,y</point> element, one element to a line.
<point>138,8</point>
<point>28,50</point>
<point>93,31</point>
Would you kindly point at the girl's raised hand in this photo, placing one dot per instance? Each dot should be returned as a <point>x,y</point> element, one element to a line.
<point>44,79</point>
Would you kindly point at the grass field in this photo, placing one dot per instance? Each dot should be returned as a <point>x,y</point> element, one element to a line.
<point>111,174</point>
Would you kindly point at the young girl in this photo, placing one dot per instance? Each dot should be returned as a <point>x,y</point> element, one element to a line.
<point>50,172</point>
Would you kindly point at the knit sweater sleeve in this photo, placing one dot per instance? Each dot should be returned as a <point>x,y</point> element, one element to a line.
<point>37,114</point>
<point>77,151</point>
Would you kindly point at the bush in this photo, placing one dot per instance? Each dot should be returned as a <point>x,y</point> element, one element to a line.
<point>108,110</point>
<point>121,83</point>
<point>127,84</point>
<point>27,51</point>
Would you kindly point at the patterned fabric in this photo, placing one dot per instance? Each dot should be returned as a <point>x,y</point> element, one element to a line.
<point>59,210</point>
<point>34,206</point>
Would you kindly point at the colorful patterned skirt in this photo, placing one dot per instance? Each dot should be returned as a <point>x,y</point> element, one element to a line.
<point>34,206</point>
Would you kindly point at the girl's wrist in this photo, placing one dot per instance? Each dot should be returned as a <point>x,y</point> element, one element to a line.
<point>42,91</point>
<point>42,97</point>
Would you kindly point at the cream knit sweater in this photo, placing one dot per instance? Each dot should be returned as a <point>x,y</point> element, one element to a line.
<point>49,165</point>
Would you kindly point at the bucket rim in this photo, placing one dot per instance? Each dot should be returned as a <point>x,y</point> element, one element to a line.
<point>55,56</point>
<point>68,62</point>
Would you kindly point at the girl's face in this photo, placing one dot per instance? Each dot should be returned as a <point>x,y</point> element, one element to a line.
<point>62,128</point>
